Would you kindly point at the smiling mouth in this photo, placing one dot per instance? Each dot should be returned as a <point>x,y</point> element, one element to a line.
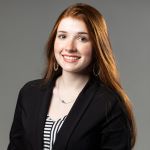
<point>71,58</point>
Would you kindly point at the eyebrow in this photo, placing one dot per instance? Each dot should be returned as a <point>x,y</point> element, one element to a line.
<point>77,32</point>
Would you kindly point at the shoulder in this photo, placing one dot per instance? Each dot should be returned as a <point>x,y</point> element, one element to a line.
<point>107,94</point>
<point>109,101</point>
<point>30,92</point>
<point>109,106</point>
<point>33,85</point>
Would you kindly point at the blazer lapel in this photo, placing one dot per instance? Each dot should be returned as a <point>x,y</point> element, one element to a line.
<point>72,119</point>
<point>76,112</point>
<point>42,113</point>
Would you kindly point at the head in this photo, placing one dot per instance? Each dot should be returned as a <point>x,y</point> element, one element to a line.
<point>102,60</point>
<point>97,29</point>
<point>73,46</point>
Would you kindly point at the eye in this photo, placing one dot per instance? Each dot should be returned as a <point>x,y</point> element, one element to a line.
<point>82,38</point>
<point>61,36</point>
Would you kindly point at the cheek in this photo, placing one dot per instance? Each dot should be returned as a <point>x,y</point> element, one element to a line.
<point>87,52</point>
<point>57,46</point>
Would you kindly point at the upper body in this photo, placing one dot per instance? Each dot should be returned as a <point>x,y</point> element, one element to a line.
<point>81,82</point>
<point>97,120</point>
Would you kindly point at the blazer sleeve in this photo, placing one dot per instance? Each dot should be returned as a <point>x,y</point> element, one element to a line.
<point>115,134</point>
<point>16,132</point>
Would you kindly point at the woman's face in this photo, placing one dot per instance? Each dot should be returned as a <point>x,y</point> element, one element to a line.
<point>72,46</point>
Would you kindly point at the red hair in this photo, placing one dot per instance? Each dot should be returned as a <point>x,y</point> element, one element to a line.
<point>102,53</point>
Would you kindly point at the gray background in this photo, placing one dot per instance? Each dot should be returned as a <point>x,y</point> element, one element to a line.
<point>24,29</point>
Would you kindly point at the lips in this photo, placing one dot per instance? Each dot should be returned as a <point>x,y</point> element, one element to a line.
<point>71,58</point>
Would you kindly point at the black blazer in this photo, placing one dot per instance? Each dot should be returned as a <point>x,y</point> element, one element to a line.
<point>96,121</point>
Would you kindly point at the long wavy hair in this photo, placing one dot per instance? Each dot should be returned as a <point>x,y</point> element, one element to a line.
<point>103,57</point>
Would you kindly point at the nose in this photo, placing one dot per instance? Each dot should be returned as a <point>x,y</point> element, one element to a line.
<point>70,45</point>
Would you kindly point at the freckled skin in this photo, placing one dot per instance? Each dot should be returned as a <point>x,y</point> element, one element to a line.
<point>72,46</point>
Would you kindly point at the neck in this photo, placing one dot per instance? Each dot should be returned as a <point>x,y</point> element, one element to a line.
<point>73,80</point>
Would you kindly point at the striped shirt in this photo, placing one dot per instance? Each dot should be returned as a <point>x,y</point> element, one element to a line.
<point>50,131</point>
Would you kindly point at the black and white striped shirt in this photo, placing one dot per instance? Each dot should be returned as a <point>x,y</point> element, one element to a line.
<point>50,131</point>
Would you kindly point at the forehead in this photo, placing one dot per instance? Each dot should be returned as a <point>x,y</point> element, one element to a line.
<point>72,25</point>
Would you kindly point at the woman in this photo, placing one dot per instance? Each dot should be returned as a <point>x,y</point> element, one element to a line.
<point>79,103</point>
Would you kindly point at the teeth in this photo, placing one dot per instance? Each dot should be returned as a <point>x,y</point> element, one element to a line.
<point>71,57</point>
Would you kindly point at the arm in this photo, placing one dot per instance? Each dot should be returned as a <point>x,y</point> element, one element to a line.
<point>16,132</point>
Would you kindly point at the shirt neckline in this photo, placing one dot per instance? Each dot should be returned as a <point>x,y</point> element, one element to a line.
<point>62,118</point>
